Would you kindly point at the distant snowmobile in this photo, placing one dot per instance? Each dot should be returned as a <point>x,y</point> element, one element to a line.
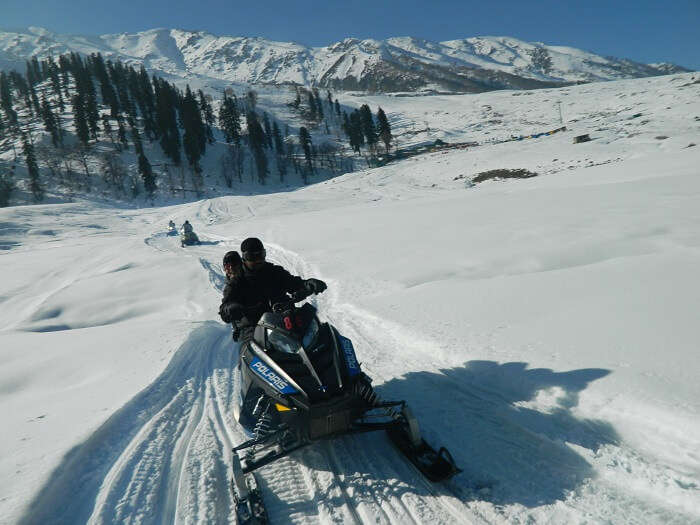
<point>300,382</point>
<point>172,229</point>
<point>187,235</point>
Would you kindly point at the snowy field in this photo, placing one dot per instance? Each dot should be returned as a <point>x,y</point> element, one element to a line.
<point>544,330</point>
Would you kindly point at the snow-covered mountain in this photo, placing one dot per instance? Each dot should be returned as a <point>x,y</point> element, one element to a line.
<point>396,64</point>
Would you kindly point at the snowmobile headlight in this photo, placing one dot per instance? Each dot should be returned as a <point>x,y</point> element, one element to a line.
<point>283,342</point>
<point>311,334</point>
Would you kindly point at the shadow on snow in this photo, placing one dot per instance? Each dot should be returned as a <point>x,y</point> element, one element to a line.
<point>480,412</point>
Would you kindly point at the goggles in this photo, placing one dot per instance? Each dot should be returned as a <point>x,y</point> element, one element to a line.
<point>254,256</point>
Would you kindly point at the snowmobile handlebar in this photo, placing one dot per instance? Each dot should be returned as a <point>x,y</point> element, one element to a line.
<point>281,306</point>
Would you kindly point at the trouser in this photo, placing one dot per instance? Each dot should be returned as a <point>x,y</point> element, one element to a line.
<point>243,334</point>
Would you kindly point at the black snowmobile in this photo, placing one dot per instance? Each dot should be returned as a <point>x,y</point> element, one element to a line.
<point>188,237</point>
<point>300,382</point>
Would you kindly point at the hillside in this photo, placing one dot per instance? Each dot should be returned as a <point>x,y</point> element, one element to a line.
<point>78,126</point>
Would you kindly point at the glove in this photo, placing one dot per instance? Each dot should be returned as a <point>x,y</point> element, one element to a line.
<point>314,285</point>
<point>231,312</point>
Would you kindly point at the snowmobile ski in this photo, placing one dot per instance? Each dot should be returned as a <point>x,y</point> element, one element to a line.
<point>250,508</point>
<point>436,466</point>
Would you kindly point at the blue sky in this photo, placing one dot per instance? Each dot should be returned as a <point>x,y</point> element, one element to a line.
<point>643,30</point>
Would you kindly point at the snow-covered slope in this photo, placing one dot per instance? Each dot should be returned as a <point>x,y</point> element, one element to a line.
<point>397,64</point>
<point>544,330</point>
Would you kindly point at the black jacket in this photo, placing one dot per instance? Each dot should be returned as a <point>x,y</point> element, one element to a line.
<point>250,293</point>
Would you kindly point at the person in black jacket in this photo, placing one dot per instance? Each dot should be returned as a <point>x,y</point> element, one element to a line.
<point>233,265</point>
<point>251,290</point>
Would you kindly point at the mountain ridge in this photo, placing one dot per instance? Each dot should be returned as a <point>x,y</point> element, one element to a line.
<point>474,64</point>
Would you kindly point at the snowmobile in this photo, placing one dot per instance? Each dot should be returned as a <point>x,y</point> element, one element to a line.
<point>172,230</point>
<point>188,238</point>
<point>300,382</point>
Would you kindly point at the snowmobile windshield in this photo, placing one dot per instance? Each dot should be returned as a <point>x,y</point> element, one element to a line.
<point>311,334</point>
<point>282,342</point>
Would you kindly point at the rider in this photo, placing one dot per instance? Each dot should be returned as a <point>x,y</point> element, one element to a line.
<point>187,227</point>
<point>249,292</point>
<point>233,265</point>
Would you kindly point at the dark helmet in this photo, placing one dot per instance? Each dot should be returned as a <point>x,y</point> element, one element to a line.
<point>252,249</point>
<point>233,258</point>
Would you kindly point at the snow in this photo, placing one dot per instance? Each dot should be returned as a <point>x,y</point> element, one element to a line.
<point>543,330</point>
<point>197,54</point>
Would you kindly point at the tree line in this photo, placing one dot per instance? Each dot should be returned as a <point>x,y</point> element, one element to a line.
<point>81,101</point>
<point>103,100</point>
<point>360,127</point>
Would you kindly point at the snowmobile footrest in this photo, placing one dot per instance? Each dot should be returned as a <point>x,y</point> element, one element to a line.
<point>253,464</point>
<point>436,466</point>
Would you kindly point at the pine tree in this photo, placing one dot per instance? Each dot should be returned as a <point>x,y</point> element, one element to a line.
<point>256,139</point>
<point>194,138</point>
<point>30,72</point>
<point>55,82</point>
<point>134,85</point>
<point>50,122</point>
<point>118,74</point>
<point>64,66</point>
<point>277,136</point>
<point>22,87</point>
<point>136,139</point>
<point>109,95</point>
<point>268,130</point>
<point>313,110</point>
<point>279,150</point>
<point>146,171</point>
<point>7,185</point>
<point>383,128</point>
<point>107,127</point>
<point>149,124</point>
<point>35,100</point>
<point>208,114</point>
<point>166,102</point>
<point>319,104</point>
<point>80,120</point>
<point>337,107</point>
<point>33,170</point>
<point>353,129</point>
<point>368,128</point>
<point>252,98</point>
<point>121,133</point>
<point>86,92</point>
<point>6,101</point>
<point>36,68</point>
<point>230,120</point>
<point>306,144</point>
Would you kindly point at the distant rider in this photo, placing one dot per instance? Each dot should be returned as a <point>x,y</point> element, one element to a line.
<point>250,290</point>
